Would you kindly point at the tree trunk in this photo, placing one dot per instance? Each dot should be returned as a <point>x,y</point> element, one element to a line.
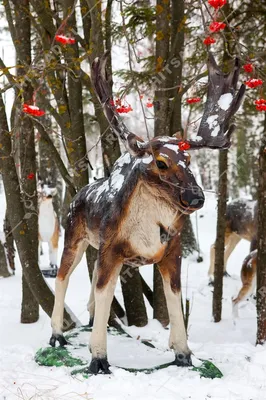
<point>176,64</point>
<point>160,311</point>
<point>27,154</point>
<point>161,128</point>
<point>188,240</point>
<point>29,305</point>
<point>220,233</point>
<point>261,260</point>
<point>18,217</point>
<point>133,296</point>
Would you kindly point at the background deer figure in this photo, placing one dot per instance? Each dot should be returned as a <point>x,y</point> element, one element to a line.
<point>248,278</point>
<point>48,227</point>
<point>136,214</point>
<point>241,223</point>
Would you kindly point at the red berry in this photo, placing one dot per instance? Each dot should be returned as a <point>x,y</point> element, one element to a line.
<point>183,145</point>
<point>217,3</point>
<point>30,176</point>
<point>193,100</point>
<point>253,83</point>
<point>64,39</point>
<point>33,110</point>
<point>209,40</point>
<point>217,26</point>
<point>248,68</point>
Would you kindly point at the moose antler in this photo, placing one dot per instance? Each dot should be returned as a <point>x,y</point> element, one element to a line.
<point>223,101</point>
<point>102,87</point>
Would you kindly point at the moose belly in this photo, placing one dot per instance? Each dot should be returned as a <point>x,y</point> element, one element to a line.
<point>46,228</point>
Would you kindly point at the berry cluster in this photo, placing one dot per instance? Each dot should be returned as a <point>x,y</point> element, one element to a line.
<point>33,110</point>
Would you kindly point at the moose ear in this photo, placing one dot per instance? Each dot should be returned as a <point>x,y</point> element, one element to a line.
<point>137,147</point>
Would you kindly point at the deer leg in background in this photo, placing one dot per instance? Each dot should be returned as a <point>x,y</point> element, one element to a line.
<point>248,278</point>
<point>212,258</point>
<point>170,268</point>
<point>231,241</point>
<point>109,267</point>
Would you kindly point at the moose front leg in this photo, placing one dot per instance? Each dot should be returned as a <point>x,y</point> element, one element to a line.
<point>170,268</point>
<point>109,267</point>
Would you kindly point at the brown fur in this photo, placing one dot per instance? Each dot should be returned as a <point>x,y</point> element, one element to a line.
<point>241,223</point>
<point>55,237</point>
<point>248,277</point>
<point>75,236</point>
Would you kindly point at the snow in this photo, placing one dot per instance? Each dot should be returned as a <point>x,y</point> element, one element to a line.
<point>101,189</point>
<point>195,137</point>
<point>164,139</point>
<point>215,131</point>
<point>213,124</point>
<point>225,101</point>
<point>182,164</point>
<point>147,160</point>
<point>164,155</point>
<point>117,180</point>
<point>212,121</point>
<point>231,348</point>
<point>173,147</point>
<point>124,159</point>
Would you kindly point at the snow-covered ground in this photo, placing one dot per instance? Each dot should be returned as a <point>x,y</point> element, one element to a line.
<point>230,347</point>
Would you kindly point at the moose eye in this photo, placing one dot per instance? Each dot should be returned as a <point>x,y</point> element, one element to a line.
<point>161,164</point>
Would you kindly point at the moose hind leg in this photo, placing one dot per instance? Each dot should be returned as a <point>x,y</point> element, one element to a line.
<point>109,268</point>
<point>70,259</point>
<point>170,268</point>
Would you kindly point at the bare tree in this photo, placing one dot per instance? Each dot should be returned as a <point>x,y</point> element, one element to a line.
<point>219,243</point>
<point>261,260</point>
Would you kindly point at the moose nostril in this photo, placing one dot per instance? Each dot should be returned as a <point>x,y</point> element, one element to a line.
<point>197,202</point>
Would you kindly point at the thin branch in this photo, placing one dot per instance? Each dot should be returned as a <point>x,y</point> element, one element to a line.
<point>8,75</point>
<point>10,19</point>
<point>56,156</point>
<point>7,87</point>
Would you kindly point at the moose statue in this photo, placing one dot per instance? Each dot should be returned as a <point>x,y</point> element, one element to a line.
<point>136,214</point>
<point>241,223</point>
<point>48,226</point>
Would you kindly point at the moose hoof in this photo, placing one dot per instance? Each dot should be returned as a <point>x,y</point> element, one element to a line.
<point>183,360</point>
<point>91,322</point>
<point>60,338</point>
<point>50,272</point>
<point>99,365</point>
<point>226,274</point>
